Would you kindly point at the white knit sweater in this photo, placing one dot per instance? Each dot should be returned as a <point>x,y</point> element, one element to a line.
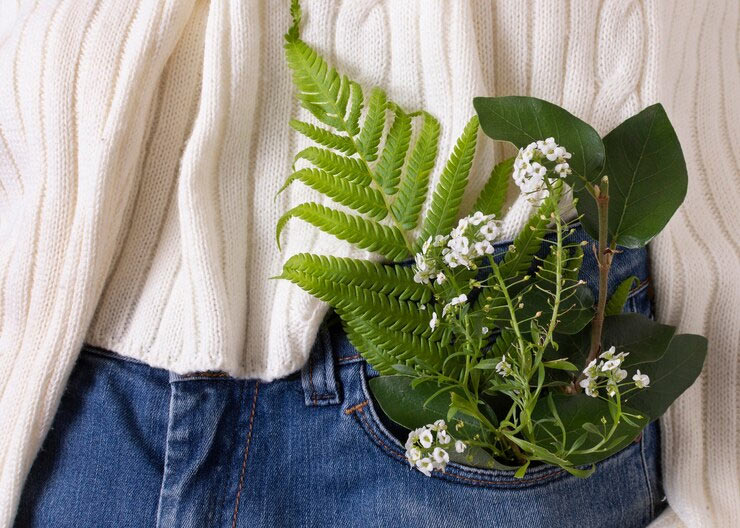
<point>142,144</point>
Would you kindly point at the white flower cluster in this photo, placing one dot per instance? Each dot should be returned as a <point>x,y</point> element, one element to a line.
<point>533,163</point>
<point>471,239</point>
<point>607,368</point>
<point>503,368</point>
<point>427,447</point>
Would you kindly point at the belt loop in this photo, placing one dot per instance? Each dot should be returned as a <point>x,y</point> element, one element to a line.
<point>318,377</point>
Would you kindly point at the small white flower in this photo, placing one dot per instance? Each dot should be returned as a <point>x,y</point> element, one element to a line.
<point>477,218</point>
<point>441,277</point>
<point>440,425</point>
<point>440,458</point>
<point>490,231</point>
<point>611,389</point>
<point>619,374</point>
<point>609,353</point>
<point>412,439</point>
<point>413,455</point>
<point>484,330</point>
<point>426,439</point>
<point>425,465</point>
<point>460,446</point>
<point>503,368</point>
<point>589,385</point>
<point>434,321</point>
<point>483,247</point>
<point>443,437</point>
<point>426,245</point>
<point>641,380</point>
<point>592,369</point>
<point>612,364</point>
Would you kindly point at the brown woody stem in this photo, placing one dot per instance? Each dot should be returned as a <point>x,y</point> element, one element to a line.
<point>604,259</point>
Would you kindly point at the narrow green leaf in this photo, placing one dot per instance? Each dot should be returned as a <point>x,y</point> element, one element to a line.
<point>353,118</point>
<point>415,183</point>
<point>394,281</point>
<point>363,199</point>
<point>493,195</point>
<point>351,169</point>
<point>365,234</point>
<point>372,129</point>
<point>447,196</point>
<point>615,304</point>
<point>388,168</point>
<point>324,137</point>
<point>560,364</point>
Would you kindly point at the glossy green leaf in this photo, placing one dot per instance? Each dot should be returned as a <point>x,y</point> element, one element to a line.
<point>522,120</point>
<point>647,179</point>
<point>670,376</point>
<point>574,412</point>
<point>645,340</point>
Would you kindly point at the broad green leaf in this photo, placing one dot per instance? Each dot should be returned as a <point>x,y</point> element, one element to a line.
<point>615,304</point>
<point>522,120</point>
<point>415,183</point>
<point>644,339</point>
<point>406,406</point>
<point>670,376</point>
<point>366,234</point>
<point>445,205</point>
<point>388,168</point>
<point>647,179</point>
<point>493,195</point>
<point>574,412</point>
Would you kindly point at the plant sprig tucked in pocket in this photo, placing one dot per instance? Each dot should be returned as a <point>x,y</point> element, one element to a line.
<point>495,362</point>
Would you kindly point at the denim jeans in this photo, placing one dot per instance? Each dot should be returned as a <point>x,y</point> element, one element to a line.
<point>136,446</point>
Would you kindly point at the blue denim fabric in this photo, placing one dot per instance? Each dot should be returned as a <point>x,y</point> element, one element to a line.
<point>135,446</point>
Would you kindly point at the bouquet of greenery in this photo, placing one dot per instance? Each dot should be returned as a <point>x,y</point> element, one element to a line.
<point>494,361</point>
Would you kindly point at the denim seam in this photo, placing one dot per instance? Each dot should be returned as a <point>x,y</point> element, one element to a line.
<point>246,455</point>
<point>242,396</point>
<point>359,415</point>
<point>647,476</point>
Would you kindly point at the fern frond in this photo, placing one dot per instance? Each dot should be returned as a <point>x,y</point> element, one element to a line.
<point>358,302</point>
<point>445,204</point>
<point>415,183</point>
<point>388,169</point>
<point>372,128</point>
<point>353,118</point>
<point>394,281</point>
<point>493,195</point>
<point>351,169</point>
<point>383,347</point>
<point>324,137</point>
<point>360,198</point>
<point>321,90</point>
<point>365,234</point>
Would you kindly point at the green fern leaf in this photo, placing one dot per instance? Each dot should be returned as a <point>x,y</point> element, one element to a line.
<point>616,302</point>
<point>388,169</point>
<point>445,204</point>
<point>353,118</point>
<point>493,195</point>
<point>372,129</point>
<point>383,347</point>
<point>365,234</point>
<point>395,281</point>
<point>351,169</point>
<point>373,307</point>
<point>415,182</point>
<point>321,90</point>
<point>324,137</point>
<point>362,199</point>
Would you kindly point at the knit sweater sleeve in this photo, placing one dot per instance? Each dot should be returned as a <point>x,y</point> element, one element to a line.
<point>57,161</point>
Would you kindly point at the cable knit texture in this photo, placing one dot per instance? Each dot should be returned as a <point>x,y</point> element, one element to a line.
<point>142,144</point>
